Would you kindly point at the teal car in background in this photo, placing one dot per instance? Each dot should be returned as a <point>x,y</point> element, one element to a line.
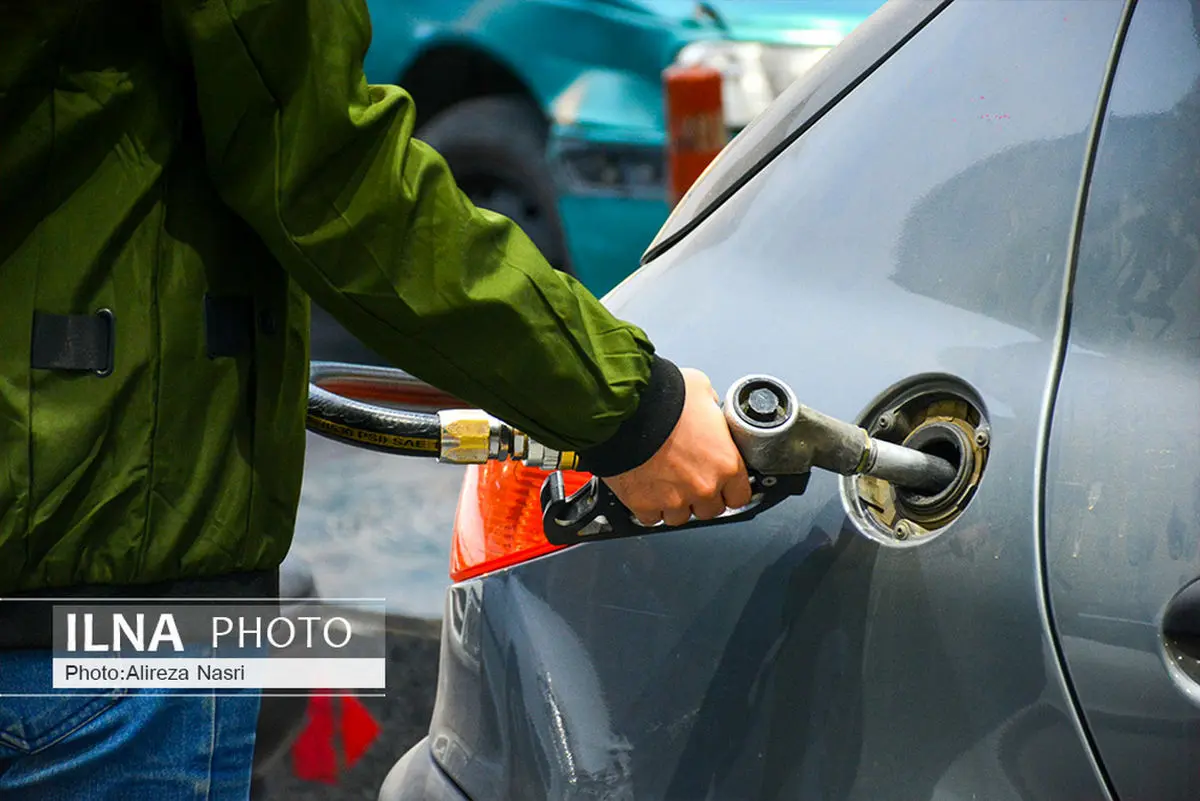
<point>551,112</point>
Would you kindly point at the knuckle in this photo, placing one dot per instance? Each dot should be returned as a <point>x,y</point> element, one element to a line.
<point>727,472</point>
<point>678,513</point>
<point>643,511</point>
<point>739,495</point>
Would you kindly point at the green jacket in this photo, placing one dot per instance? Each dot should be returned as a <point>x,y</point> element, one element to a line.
<point>155,154</point>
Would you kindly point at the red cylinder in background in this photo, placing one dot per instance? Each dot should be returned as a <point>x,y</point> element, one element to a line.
<point>696,130</point>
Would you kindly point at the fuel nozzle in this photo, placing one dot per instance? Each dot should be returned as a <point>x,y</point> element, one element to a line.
<point>777,435</point>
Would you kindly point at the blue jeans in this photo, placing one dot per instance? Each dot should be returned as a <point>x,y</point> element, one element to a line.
<point>132,745</point>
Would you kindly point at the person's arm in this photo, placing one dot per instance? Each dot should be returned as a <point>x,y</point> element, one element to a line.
<point>371,224</point>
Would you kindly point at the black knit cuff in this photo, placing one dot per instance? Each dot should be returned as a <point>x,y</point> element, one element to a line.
<point>641,435</point>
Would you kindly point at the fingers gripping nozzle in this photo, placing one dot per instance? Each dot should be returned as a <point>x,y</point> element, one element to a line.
<point>780,440</point>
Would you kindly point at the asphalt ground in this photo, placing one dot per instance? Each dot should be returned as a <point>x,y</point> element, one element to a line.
<point>371,524</point>
<point>402,717</point>
<point>374,525</point>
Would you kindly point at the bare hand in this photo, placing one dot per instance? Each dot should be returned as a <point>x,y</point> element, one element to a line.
<point>698,470</point>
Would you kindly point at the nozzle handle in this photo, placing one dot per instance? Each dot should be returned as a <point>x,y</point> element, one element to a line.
<point>593,512</point>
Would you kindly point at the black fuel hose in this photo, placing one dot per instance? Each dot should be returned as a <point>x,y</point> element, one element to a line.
<point>366,425</point>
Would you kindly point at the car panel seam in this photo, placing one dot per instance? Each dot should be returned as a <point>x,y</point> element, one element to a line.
<point>1050,399</point>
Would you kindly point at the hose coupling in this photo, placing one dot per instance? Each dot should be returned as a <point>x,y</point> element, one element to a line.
<point>535,454</point>
<point>471,436</point>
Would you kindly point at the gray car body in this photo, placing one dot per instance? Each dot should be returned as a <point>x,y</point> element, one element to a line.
<point>1009,198</point>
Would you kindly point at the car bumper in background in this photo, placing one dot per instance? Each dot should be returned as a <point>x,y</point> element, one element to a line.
<point>612,202</point>
<point>606,236</point>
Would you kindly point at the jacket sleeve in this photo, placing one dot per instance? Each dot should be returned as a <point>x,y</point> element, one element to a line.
<point>371,224</point>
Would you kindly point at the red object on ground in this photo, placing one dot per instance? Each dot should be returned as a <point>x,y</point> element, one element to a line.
<point>313,757</point>
<point>359,729</point>
<point>696,130</point>
<point>314,754</point>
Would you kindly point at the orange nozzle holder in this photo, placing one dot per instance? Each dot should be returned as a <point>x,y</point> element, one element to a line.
<point>696,130</point>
